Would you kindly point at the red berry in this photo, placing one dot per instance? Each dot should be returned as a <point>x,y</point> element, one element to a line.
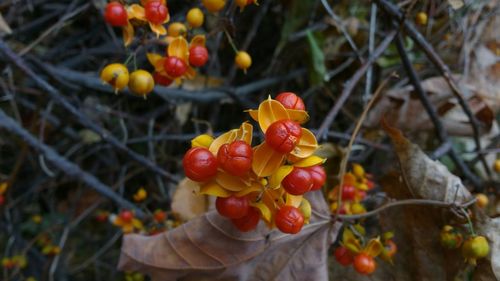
<point>126,216</point>
<point>343,256</point>
<point>283,135</point>
<point>232,207</point>
<point>298,182</point>
<point>291,101</point>
<point>364,264</point>
<point>235,158</point>
<point>318,176</point>
<point>159,216</point>
<point>199,164</point>
<point>348,192</point>
<point>360,194</point>
<point>390,247</point>
<point>156,12</point>
<point>198,56</point>
<point>2,200</point>
<point>248,222</point>
<point>161,79</point>
<point>175,67</point>
<point>289,219</point>
<point>115,14</point>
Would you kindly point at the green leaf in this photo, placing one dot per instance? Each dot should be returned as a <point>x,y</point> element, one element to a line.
<point>317,59</point>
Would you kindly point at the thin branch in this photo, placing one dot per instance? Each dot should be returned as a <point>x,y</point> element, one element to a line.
<point>349,87</point>
<point>84,120</point>
<point>407,202</point>
<point>420,40</point>
<point>63,164</point>
<point>433,115</point>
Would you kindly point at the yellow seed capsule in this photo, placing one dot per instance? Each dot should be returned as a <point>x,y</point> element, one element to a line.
<point>481,200</point>
<point>195,17</point>
<point>305,208</point>
<point>358,208</point>
<point>214,5</point>
<point>358,170</point>
<point>202,141</point>
<point>141,82</point>
<point>496,166</point>
<point>176,29</point>
<point>421,18</point>
<point>243,60</point>
<point>116,75</point>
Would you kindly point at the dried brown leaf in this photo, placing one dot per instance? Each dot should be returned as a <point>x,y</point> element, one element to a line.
<point>403,106</point>
<point>187,202</point>
<point>424,177</point>
<point>209,247</point>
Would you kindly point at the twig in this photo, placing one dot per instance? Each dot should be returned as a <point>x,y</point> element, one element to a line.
<point>63,164</point>
<point>345,159</point>
<point>442,67</point>
<point>406,202</point>
<point>340,24</point>
<point>371,46</point>
<point>349,87</point>
<point>84,120</point>
<point>101,251</point>
<point>429,108</point>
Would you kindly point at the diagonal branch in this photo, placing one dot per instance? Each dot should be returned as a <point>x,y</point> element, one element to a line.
<point>84,120</point>
<point>395,12</point>
<point>349,87</point>
<point>429,108</point>
<point>63,164</point>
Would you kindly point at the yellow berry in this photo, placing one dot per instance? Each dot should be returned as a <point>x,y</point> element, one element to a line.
<point>214,5</point>
<point>358,208</point>
<point>116,75</point>
<point>496,166</point>
<point>176,29</point>
<point>475,248</point>
<point>243,60</point>
<point>141,82</point>
<point>481,200</point>
<point>421,18</point>
<point>358,170</point>
<point>195,17</point>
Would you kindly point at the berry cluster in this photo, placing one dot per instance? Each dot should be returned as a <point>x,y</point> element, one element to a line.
<point>473,248</point>
<point>180,59</point>
<point>268,180</point>
<point>354,250</point>
<point>355,185</point>
<point>3,188</point>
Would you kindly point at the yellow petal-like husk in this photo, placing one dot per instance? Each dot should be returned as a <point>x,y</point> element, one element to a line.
<point>264,211</point>
<point>245,133</point>
<point>135,11</point>
<point>190,73</point>
<point>310,161</point>
<point>158,29</point>
<point>299,116</point>
<point>374,247</point>
<point>277,178</point>
<point>128,34</point>
<point>230,182</point>
<point>255,187</point>
<point>270,111</point>
<point>350,241</point>
<point>254,113</point>
<point>266,160</point>
<point>198,40</point>
<point>223,139</point>
<point>293,200</point>
<point>179,48</point>
<point>214,189</point>
<point>306,146</point>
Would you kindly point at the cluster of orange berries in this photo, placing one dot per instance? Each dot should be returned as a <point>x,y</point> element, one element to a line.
<point>48,248</point>
<point>353,250</point>
<point>268,180</point>
<point>355,185</point>
<point>473,248</point>
<point>129,223</point>
<point>17,261</point>
<point>181,58</point>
